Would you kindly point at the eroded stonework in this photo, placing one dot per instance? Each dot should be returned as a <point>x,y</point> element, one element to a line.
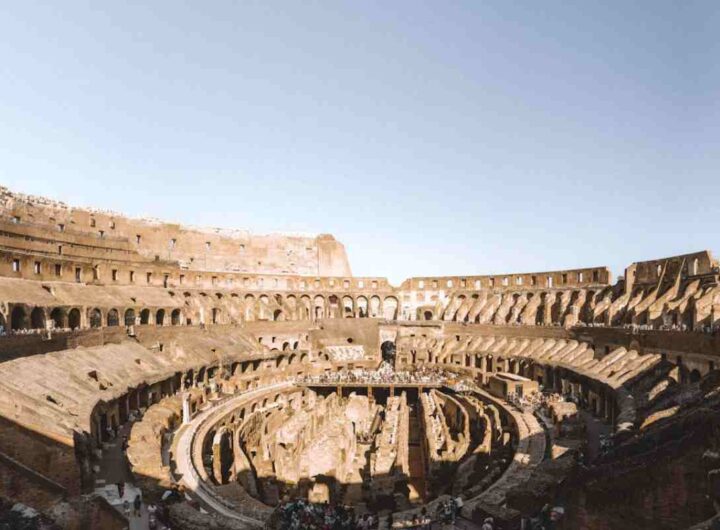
<point>253,371</point>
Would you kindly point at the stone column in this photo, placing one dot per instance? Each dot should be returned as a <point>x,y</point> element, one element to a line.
<point>217,462</point>
<point>187,415</point>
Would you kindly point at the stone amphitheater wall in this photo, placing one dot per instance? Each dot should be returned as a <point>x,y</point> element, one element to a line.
<point>84,294</point>
<point>89,231</point>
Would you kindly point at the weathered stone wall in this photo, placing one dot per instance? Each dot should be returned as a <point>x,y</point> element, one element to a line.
<point>21,486</point>
<point>40,454</point>
<point>41,225</point>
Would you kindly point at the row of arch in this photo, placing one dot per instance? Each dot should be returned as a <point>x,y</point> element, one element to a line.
<point>22,318</point>
<point>516,308</point>
<point>602,306</point>
<point>306,307</point>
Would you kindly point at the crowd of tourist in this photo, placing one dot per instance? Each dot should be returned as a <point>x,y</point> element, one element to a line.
<point>420,521</point>
<point>346,353</point>
<point>461,385</point>
<point>304,515</point>
<point>449,509</point>
<point>637,328</point>
<point>434,421</point>
<point>547,519</point>
<point>385,374</point>
<point>634,328</point>
<point>533,402</point>
<point>4,332</point>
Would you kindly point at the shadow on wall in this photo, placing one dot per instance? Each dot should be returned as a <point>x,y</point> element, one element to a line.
<point>43,473</point>
<point>662,480</point>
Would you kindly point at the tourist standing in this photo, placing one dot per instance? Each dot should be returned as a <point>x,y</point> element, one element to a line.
<point>137,504</point>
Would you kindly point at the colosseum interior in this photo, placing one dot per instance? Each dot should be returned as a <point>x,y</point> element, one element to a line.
<point>232,378</point>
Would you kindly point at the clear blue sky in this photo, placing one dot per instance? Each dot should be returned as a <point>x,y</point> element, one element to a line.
<point>430,138</point>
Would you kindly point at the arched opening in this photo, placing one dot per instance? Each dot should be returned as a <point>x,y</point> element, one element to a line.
<point>305,308</point>
<point>160,317</point>
<point>375,309</point>
<point>555,310</point>
<point>74,318</point>
<point>319,310</point>
<point>427,315</point>
<point>130,317</point>
<point>278,315</point>
<point>347,303</point>
<point>95,318</point>
<point>390,307</point>
<point>291,304</point>
<point>19,319</point>
<point>511,315</point>
<point>387,349</point>
<point>695,376</point>
<point>175,317</point>
<point>333,306</point>
<point>540,314</point>
<point>215,315</point>
<point>362,307</point>
<point>189,378</point>
<point>37,318</point>
<point>586,310</point>
<point>59,318</point>
<point>145,317</point>
<point>249,307</point>
<point>113,318</point>
<point>264,307</point>
<point>226,457</point>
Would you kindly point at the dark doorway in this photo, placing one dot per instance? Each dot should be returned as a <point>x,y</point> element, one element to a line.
<point>18,319</point>
<point>387,349</point>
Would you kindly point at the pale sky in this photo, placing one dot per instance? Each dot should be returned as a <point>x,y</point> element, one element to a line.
<point>431,138</point>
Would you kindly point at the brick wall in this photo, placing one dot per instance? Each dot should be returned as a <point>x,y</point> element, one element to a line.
<point>47,457</point>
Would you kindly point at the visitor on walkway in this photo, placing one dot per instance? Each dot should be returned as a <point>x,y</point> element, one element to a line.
<point>137,505</point>
<point>447,511</point>
<point>488,524</point>
<point>458,504</point>
<point>152,516</point>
